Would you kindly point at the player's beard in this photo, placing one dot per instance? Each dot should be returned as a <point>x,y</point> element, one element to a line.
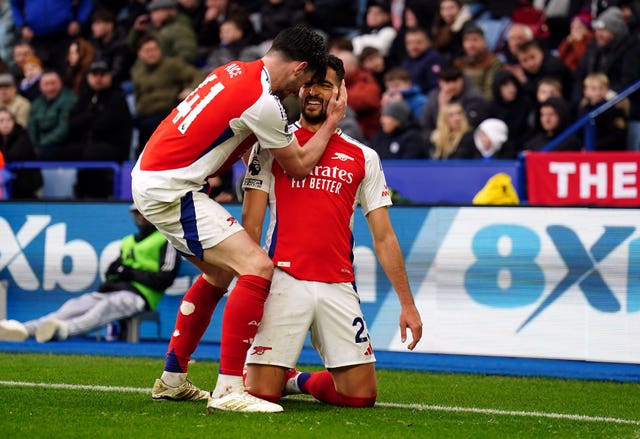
<point>315,117</point>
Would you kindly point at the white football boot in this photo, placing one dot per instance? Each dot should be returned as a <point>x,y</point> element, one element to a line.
<point>242,402</point>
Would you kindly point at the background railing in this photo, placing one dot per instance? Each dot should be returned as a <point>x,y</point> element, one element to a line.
<point>588,121</point>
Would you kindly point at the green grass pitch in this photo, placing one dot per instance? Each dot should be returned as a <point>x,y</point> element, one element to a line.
<point>65,396</point>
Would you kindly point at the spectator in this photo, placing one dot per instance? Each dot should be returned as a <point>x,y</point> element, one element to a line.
<point>547,88</point>
<point>216,11</point>
<point>451,128</point>
<point>422,61</point>
<point>338,44</point>
<point>517,34</point>
<point>558,14</point>
<point>447,28</point>
<point>7,31</point>
<point>100,127</point>
<point>490,140</point>
<point>15,146</point>
<point>49,26</point>
<point>454,86</point>
<point>371,60</point>
<point>110,45</point>
<point>538,64</point>
<point>554,118</point>
<point>399,135</point>
<point>417,14</point>
<point>159,83</point>
<point>512,105</point>
<point>377,31</point>
<point>80,54</point>
<point>276,15</point>
<point>477,62</point>
<point>49,118</point>
<point>193,10</point>
<point>31,71</point>
<point>232,43</point>
<point>614,52</point>
<point>610,126</point>
<point>332,17</point>
<point>364,94</point>
<point>631,14</point>
<point>17,105</point>
<point>399,87</point>
<point>134,282</point>
<point>611,52</point>
<point>21,51</point>
<point>573,47</point>
<point>171,29</point>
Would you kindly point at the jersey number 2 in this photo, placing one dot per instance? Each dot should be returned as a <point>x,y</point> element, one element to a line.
<point>360,334</point>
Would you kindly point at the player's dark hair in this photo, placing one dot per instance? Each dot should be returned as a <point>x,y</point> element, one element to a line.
<point>335,63</point>
<point>299,43</point>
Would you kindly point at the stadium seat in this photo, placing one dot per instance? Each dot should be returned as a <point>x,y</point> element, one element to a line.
<point>4,286</point>
<point>130,328</point>
<point>58,183</point>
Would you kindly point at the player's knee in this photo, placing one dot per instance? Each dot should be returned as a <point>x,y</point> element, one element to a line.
<point>262,266</point>
<point>357,401</point>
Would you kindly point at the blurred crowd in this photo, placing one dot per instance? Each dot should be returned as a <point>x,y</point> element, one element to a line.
<point>427,79</point>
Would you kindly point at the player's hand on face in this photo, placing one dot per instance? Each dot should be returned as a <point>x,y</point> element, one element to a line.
<point>410,318</point>
<point>337,108</point>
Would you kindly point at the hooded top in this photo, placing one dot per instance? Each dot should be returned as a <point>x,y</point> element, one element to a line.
<point>542,138</point>
<point>515,113</point>
<point>497,132</point>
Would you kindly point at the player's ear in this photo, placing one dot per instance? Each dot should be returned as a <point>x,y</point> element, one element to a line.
<point>300,67</point>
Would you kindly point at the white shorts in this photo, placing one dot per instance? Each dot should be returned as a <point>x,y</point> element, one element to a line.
<point>331,311</point>
<point>193,223</point>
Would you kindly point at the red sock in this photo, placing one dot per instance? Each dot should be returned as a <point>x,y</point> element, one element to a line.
<point>320,385</point>
<point>242,315</point>
<point>193,318</point>
<point>270,398</point>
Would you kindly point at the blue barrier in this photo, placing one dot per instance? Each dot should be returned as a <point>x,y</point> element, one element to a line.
<point>113,166</point>
<point>421,181</point>
<point>448,181</point>
<point>440,181</point>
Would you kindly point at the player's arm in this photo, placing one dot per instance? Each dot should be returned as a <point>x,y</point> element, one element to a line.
<point>387,248</point>
<point>254,207</point>
<point>299,162</point>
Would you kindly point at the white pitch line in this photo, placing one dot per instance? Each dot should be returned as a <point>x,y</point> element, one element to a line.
<point>77,387</point>
<point>424,407</point>
<point>442,408</point>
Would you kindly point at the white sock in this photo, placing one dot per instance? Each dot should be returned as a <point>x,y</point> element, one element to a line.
<point>63,330</point>
<point>173,379</point>
<point>227,384</point>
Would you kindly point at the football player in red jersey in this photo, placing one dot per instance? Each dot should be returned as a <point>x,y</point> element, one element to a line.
<point>310,241</point>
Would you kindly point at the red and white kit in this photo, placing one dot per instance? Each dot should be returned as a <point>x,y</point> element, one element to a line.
<point>231,109</point>
<point>310,241</point>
